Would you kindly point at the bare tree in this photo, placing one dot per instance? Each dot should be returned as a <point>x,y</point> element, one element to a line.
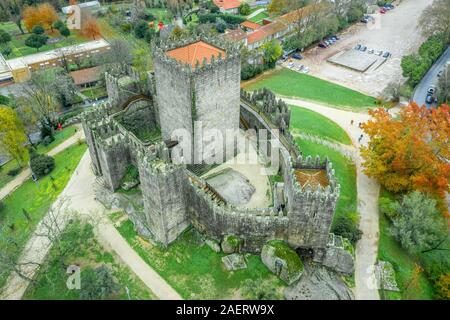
<point>435,19</point>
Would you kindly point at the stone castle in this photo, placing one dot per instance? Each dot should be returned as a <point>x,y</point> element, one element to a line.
<point>198,81</point>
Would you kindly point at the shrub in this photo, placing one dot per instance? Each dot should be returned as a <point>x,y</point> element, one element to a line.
<point>4,100</point>
<point>140,29</point>
<point>244,9</point>
<point>346,227</point>
<point>13,172</point>
<point>126,27</point>
<point>98,284</point>
<point>388,207</point>
<point>6,51</point>
<point>47,140</point>
<point>38,29</point>
<point>42,165</point>
<point>58,25</point>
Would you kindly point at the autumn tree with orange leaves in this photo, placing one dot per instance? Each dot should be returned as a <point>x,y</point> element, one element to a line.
<point>90,28</point>
<point>410,151</point>
<point>44,15</point>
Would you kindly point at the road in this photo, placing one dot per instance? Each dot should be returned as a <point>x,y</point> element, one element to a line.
<point>430,79</point>
<point>368,191</point>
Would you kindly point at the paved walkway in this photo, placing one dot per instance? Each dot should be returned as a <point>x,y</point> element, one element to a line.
<point>78,196</point>
<point>26,173</point>
<point>368,192</point>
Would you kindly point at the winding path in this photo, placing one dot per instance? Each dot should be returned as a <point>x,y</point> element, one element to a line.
<point>81,195</point>
<point>368,192</point>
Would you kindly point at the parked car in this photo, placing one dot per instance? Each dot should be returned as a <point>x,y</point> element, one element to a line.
<point>379,52</point>
<point>429,99</point>
<point>364,20</point>
<point>297,56</point>
<point>305,70</point>
<point>358,46</point>
<point>323,45</point>
<point>363,48</point>
<point>335,37</point>
<point>383,10</point>
<point>440,73</point>
<point>370,51</point>
<point>300,67</point>
<point>389,6</point>
<point>387,54</point>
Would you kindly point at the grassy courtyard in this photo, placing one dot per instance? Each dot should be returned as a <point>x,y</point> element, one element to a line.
<point>87,254</point>
<point>194,270</point>
<point>293,84</point>
<point>259,17</point>
<point>345,172</point>
<point>19,49</point>
<point>35,199</point>
<point>310,122</point>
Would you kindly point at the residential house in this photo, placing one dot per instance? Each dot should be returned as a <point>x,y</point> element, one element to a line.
<point>228,6</point>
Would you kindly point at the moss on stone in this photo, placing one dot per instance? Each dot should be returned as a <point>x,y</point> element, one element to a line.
<point>283,251</point>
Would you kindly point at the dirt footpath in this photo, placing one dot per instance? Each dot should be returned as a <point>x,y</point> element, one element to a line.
<point>396,32</point>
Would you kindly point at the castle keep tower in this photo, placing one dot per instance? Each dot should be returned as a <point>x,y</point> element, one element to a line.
<point>198,81</point>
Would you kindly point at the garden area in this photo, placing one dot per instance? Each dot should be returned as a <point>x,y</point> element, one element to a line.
<point>11,169</point>
<point>24,208</point>
<point>309,122</point>
<point>196,272</point>
<point>111,278</point>
<point>293,84</point>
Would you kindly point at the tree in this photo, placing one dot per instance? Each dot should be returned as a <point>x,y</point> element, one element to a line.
<point>41,164</point>
<point>444,86</point>
<point>277,6</point>
<point>271,51</point>
<point>244,9</point>
<point>64,31</point>
<point>5,37</point>
<point>38,29</point>
<point>36,41</point>
<point>140,29</point>
<point>58,24</point>
<point>13,11</point>
<point>410,151</point>
<point>90,28</point>
<point>434,19</point>
<point>6,51</point>
<point>43,14</point>
<point>12,136</point>
<point>114,61</point>
<point>98,284</point>
<point>419,226</point>
<point>346,227</point>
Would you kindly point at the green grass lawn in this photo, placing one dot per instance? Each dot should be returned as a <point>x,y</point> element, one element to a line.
<point>95,92</point>
<point>51,279</point>
<point>19,49</point>
<point>345,172</point>
<point>404,265</point>
<point>10,27</point>
<point>4,177</point>
<point>259,17</point>
<point>60,137</point>
<point>36,199</point>
<point>310,122</point>
<point>193,269</point>
<point>293,84</point>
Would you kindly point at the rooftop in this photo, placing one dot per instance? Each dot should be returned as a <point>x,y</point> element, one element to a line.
<point>88,75</point>
<point>44,56</point>
<point>227,4</point>
<point>235,35</point>
<point>196,52</point>
<point>250,25</point>
<point>312,177</point>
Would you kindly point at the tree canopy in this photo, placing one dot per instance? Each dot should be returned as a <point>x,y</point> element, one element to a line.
<point>12,135</point>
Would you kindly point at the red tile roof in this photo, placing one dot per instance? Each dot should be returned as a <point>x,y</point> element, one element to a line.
<point>266,31</point>
<point>86,75</point>
<point>235,35</point>
<point>250,25</point>
<point>227,4</point>
<point>194,52</point>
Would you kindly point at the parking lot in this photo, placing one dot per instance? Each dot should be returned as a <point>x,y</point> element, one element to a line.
<point>395,31</point>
